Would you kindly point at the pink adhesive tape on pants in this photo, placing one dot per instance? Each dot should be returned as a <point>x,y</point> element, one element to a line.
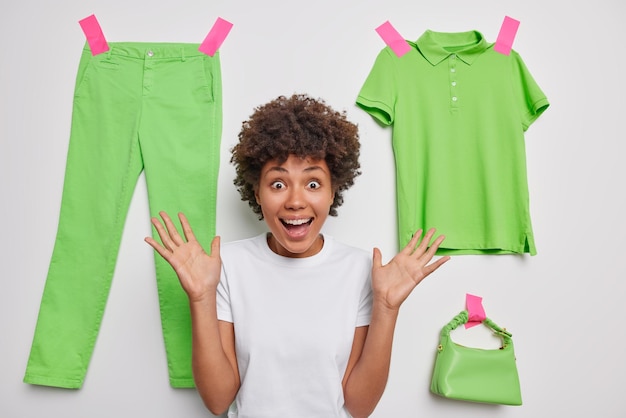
<point>216,36</point>
<point>504,42</point>
<point>95,38</point>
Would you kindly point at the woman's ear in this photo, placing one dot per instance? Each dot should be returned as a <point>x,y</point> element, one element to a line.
<point>256,195</point>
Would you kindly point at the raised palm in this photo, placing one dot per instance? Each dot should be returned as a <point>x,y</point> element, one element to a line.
<point>198,272</point>
<point>393,282</point>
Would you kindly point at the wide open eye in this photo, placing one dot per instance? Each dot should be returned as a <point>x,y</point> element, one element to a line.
<point>278,185</point>
<point>313,185</point>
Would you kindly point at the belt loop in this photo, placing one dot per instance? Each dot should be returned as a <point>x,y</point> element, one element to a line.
<point>182,54</point>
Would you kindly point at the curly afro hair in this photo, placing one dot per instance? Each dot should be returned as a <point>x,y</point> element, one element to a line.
<point>302,126</point>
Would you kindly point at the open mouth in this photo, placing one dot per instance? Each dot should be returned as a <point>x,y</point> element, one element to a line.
<point>295,225</point>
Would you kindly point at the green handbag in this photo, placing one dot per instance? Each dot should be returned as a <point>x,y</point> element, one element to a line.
<point>475,374</point>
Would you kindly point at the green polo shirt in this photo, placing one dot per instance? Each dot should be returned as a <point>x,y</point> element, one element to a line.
<point>459,111</point>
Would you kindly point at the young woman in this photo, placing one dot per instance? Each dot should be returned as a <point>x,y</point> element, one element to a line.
<point>292,323</point>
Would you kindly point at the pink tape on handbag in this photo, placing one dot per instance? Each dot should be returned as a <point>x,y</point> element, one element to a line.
<point>95,38</point>
<point>475,311</point>
<point>216,36</point>
<point>505,39</point>
<point>393,39</point>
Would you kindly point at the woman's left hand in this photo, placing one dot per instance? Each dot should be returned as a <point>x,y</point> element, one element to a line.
<point>393,282</point>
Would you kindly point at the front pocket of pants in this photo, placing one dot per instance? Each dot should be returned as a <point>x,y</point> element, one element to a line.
<point>90,67</point>
<point>205,76</point>
<point>83,69</point>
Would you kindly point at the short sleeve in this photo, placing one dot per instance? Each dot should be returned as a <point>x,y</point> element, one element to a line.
<point>378,93</point>
<point>365,304</point>
<point>224,311</point>
<point>532,101</point>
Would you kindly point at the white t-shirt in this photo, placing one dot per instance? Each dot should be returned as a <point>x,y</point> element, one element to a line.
<point>294,321</point>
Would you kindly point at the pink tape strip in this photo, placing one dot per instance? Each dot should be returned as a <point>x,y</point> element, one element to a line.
<point>505,39</point>
<point>393,39</point>
<point>216,36</point>
<point>475,310</point>
<point>95,37</point>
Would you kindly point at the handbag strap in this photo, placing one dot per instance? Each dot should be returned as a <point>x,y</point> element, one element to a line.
<point>462,318</point>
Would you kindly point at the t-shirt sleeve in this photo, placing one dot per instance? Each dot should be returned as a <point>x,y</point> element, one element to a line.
<point>224,312</point>
<point>532,100</point>
<point>378,94</point>
<point>365,304</point>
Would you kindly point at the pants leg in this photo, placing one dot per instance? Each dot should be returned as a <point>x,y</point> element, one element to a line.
<point>115,129</point>
<point>180,145</point>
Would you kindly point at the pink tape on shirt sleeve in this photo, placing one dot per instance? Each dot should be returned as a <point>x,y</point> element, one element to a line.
<point>216,36</point>
<point>475,311</point>
<point>95,38</point>
<point>393,39</point>
<point>505,39</point>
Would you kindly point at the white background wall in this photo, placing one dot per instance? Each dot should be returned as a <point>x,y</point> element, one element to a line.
<point>564,306</point>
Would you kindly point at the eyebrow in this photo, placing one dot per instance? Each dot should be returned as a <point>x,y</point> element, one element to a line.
<point>284,170</point>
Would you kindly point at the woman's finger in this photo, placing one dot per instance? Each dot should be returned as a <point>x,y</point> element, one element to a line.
<point>424,244</point>
<point>436,264</point>
<point>410,247</point>
<point>430,253</point>
<point>163,234</point>
<point>163,252</point>
<point>215,246</point>
<point>171,229</point>
<point>189,235</point>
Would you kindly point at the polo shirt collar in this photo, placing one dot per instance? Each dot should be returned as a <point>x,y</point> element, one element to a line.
<point>437,46</point>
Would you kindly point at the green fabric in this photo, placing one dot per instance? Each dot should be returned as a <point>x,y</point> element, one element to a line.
<point>140,106</point>
<point>474,374</point>
<point>459,111</point>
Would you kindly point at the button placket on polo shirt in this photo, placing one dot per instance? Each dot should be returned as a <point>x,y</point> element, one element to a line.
<point>452,79</point>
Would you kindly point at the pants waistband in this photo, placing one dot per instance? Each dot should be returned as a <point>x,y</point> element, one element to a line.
<point>153,50</point>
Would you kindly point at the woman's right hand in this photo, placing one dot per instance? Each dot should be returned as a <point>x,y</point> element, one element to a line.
<point>198,272</point>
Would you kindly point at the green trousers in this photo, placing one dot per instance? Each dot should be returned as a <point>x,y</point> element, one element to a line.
<point>139,106</point>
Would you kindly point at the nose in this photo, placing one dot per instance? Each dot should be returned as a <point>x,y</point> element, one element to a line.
<point>295,199</point>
